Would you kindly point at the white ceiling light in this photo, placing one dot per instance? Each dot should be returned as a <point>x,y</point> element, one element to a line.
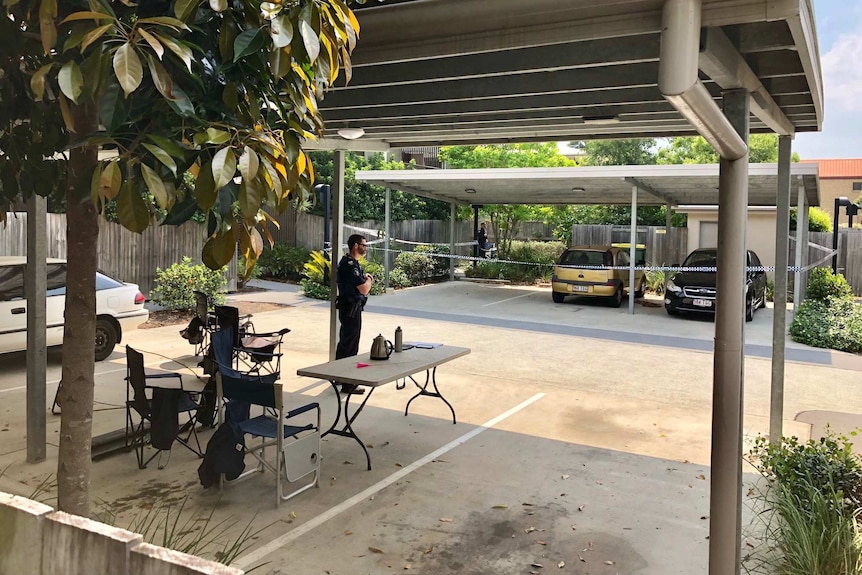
<point>578,190</point>
<point>470,190</point>
<point>602,120</point>
<point>351,133</point>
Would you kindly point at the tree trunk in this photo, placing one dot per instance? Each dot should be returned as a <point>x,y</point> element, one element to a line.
<point>76,397</point>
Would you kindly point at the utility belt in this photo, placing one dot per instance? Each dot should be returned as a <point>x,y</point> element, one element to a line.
<point>350,305</point>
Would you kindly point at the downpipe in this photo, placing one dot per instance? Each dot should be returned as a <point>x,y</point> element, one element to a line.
<point>679,84</point>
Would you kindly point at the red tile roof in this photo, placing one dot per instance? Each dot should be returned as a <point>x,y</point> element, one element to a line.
<point>838,169</point>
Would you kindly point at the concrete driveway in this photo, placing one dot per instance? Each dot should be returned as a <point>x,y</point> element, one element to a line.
<point>582,438</point>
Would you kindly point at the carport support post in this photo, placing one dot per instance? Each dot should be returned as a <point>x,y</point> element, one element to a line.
<point>37,359</point>
<point>387,245</point>
<point>337,241</point>
<point>779,312</point>
<point>633,240</point>
<point>668,222</point>
<point>475,235</point>
<point>801,243</point>
<point>452,212</point>
<point>725,517</point>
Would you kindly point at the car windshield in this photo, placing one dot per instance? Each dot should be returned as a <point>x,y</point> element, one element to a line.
<point>701,258</point>
<point>583,258</point>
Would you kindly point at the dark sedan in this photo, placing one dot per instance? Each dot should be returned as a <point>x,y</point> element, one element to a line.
<point>694,291</point>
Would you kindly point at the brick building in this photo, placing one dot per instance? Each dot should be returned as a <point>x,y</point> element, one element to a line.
<point>839,178</point>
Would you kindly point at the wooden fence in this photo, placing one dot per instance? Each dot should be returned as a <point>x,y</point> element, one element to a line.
<point>662,247</point>
<point>123,255</point>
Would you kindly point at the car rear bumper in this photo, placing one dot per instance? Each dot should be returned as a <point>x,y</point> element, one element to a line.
<point>583,288</point>
<point>133,319</point>
<point>687,304</point>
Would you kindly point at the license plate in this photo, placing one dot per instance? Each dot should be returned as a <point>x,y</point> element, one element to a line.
<point>702,302</point>
<point>580,288</point>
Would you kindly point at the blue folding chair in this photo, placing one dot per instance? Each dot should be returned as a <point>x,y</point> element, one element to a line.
<point>297,444</point>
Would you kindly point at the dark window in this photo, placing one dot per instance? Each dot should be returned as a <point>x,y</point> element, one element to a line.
<point>56,280</point>
<point>857,186</point>
<point>11,283</point>
<point>104,282</point>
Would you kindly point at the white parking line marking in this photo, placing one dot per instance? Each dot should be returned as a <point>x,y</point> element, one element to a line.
<point>253,557</point>
<point>508,299</point>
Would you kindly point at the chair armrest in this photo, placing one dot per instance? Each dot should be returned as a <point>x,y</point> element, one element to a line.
<point>280,332</point>
<point>302,409</point>
<point>257,352</point>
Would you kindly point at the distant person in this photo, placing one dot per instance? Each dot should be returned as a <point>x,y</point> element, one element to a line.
<point>482,239</point>
<point>353,288</point>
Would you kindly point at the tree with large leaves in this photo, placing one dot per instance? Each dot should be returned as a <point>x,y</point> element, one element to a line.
<point>166,107</point>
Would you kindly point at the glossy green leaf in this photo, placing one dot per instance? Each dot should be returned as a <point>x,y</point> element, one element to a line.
<point>132,210</point>
<point>71,80</point>
<point>93,67</point>
<point>309,36</point>
<point>248,42</point>
<point>95,184</point>
<point>168,145</point>
<point>205,190</point>
<point>274,180</point>
<point>182,104</point>
<point>162,156</point>
<point>212,136</point>
<point>153,42</point>
<point>127,67</point>
<point>178,48</point>
<point>161,79</point>
<point>113,108</point>
<point>249,200</point>
<point>110,181</point>
<point>218,5</point>
<point>226,37</point>
<point>86,15</point>
<point>185,9</point>
<point>281,31</point>
<point>156,186</point>
<point>94,35</point>
<point>37,82</point>
<point>219,250</point>
<point>165,21</point>
<point>249,163</point>
<point>223,167</point>
<point>47,24</point>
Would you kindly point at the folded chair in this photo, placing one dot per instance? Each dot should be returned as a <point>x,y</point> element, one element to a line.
<point>297,445</point>
<point>206,319</point>
<point>157,409</point>
<point>254,352</point>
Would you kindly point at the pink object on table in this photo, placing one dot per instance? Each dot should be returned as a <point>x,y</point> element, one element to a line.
<point>359,364</point>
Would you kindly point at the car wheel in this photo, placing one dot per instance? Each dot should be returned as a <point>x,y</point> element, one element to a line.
<point>558,297</point>
<point>749,309</point>
<point>641,289</point>
<point>762,300</point>
<point>106,339</point>
<point>616,300</point>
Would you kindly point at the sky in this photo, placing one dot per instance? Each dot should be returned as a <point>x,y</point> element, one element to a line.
<point>839,34</point>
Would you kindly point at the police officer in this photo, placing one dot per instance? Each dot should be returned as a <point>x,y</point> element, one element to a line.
<point>482,239</point>
<point>353,287</point>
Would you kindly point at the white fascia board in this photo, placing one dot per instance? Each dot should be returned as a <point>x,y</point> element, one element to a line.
<point>714,208</point>
<point>360,145</point>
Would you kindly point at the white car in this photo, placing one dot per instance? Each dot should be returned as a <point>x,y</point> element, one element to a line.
<point>119,307</point>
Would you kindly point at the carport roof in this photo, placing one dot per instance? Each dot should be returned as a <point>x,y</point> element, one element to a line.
<point>678,185</point>
<point>446,72</point>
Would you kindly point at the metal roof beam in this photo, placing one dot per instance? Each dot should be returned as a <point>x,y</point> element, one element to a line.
<point>641,185</point>
<point>720,60</point>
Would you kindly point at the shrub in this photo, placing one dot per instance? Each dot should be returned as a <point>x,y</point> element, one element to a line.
<point>377,271</point>
<point>818,220</point>
<point>283,262</point>
<point>317,268</point>
<point>823,284</point>
<point>809,507</point>
<point>175,285</point>
<point>832,323</point>
<point>655,279</point>
<point>314,289</point>
<point>439,264</point>
<point>398,279</point>
<point>417,267</point>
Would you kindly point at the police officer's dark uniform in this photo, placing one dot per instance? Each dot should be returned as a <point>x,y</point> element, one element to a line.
<point>482,240</point>
<point>350,304</point>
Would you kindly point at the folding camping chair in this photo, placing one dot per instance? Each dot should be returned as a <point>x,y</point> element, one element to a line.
<point>253,352</point>
<point>157,408</point>
<point>297,445</point>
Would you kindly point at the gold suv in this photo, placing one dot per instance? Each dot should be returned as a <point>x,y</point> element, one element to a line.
<point>598,271</point>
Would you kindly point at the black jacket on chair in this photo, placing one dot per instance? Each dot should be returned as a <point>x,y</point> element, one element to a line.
<point>225,454</point>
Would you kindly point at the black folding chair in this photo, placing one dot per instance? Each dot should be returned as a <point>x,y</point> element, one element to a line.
<point>253,352</point>
<point>297,444</point>
<point>157,409</point>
